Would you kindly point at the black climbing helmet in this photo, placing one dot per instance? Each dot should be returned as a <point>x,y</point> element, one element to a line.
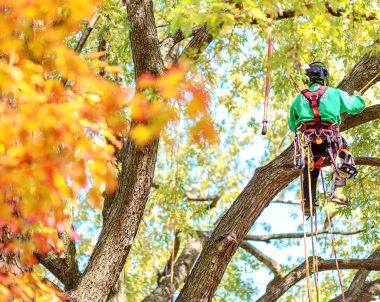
<point>317,73</point>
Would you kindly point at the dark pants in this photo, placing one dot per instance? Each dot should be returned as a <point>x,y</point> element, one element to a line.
<point>317,151</point>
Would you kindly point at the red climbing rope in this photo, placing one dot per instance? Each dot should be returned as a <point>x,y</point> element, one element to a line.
<point>267,85</point>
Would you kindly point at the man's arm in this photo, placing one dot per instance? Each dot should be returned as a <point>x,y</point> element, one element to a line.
<point>351,104</point>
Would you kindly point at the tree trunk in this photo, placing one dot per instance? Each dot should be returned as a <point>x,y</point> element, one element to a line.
<point>125,209</point>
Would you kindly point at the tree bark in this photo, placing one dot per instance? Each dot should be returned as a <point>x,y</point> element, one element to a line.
<point>266,183</point>
<point>278,287</point>
<point>117,293</point>
<point>182,268</point>
<point>367,161</point>
<point>370,292</point>
<point>65,268</point>
<point>124,209</point>
<point>358,284</point>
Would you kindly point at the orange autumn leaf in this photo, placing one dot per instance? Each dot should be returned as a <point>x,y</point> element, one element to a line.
<point>204,130</point>
<point>146,80</point>
<point>58,129</point>
<point>198,103</point>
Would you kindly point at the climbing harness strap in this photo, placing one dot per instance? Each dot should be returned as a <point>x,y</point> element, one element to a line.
<point>313,97</point>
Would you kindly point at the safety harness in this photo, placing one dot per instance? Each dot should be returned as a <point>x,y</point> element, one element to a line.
<point>314,97</point>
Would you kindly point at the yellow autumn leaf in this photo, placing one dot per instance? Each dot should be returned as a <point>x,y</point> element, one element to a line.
<point>141,135</point>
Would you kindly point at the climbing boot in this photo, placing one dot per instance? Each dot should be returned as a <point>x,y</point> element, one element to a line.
<point>307,207</point>
<point>338,196</point>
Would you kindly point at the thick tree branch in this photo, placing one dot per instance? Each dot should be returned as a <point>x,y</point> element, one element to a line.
<point>369,292</point>
<point>266,183</point>
<point>267,238</point>
<point>362,73</point>
<point>65,267</point>
<point>278,287</point>
<point>181,270</point>
<point>200,40</point>
<point>259,255</point>
<point>167,46</point>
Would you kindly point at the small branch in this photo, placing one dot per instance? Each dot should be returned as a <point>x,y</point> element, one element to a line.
<point>196,197</point>
<point>270,237</point>
<point>367,161</point>
<point>259,255</point>
<point>86,33</point>
<point>288,202</point>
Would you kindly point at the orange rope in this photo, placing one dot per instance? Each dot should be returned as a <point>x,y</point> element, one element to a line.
<point>175,198</point>
<point>332,237</point>
<point>305,240</point>
<point>295,85</point>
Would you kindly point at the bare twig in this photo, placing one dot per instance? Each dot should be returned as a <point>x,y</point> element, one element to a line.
<point>267,238</point>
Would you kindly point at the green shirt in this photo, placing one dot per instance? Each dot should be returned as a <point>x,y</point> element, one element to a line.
<point>332,103</point>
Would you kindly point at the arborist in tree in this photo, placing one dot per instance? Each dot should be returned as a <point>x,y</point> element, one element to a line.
<point>315,117</point>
